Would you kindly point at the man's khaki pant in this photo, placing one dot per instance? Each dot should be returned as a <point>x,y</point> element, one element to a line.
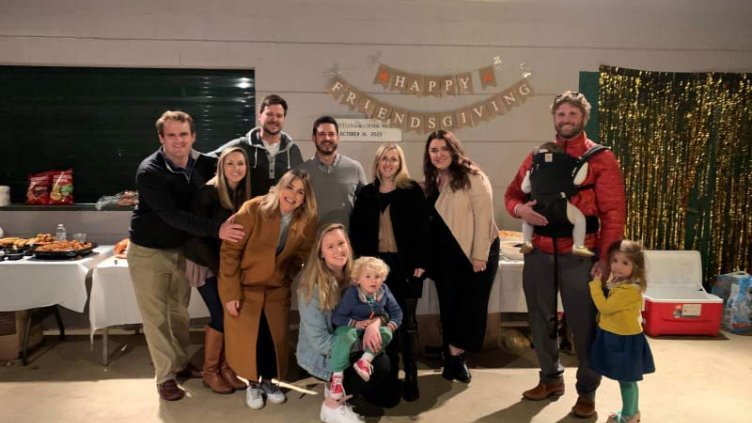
<point>162,292</point>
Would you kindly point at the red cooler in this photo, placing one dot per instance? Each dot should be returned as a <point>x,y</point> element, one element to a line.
<point>675,301</point>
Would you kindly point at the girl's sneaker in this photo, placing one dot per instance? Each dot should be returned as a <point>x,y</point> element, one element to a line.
<point>336,390</point>
<point>618,418</point>
<point>363,369</point>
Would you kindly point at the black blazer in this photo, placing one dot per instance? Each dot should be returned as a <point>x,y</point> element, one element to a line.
<point>409,214</point>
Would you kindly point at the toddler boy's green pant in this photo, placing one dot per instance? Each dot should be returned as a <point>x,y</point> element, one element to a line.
<point>344,339</point>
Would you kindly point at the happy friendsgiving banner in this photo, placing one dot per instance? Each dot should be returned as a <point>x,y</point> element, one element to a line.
<point>472,115</point>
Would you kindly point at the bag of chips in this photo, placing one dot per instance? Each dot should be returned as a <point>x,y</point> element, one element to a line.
<point>61,189</point>
<point>39,188</point>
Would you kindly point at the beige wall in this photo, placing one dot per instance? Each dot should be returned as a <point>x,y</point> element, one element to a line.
<point>292,45</point>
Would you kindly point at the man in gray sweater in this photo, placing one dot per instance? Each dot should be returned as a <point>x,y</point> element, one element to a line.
<point>336,178</point>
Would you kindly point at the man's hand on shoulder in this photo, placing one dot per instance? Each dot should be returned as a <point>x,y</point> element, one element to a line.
<point>231,231</point>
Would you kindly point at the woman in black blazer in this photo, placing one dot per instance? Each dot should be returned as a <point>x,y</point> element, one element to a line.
<point>390,221</point>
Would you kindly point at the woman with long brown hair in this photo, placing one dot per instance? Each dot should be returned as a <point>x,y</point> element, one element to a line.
<point>464,250</point>
<point>218,200</point>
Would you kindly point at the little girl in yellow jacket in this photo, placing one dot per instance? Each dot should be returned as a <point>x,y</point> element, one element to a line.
<point>620,350</point>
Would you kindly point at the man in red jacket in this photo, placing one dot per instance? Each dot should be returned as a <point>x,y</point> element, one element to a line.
<point>601,199</point>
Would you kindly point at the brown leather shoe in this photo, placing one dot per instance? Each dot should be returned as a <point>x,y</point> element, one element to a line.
<point>189,372</point>
<point>543,391</point>
<point>170,391</point>
<point>584,407</point>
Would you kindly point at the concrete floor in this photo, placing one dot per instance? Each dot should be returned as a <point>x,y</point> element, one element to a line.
<point>698,379</point>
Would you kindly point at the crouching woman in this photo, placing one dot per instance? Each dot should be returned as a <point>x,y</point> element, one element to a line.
<point>321,283</point>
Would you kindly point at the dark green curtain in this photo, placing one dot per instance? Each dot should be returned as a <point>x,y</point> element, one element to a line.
<point>684,141</point>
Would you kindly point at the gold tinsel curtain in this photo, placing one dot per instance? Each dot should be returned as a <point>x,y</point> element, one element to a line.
<point>685,146</point>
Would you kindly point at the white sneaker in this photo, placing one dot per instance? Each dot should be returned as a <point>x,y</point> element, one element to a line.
<point>341,414</point>
<point>273,394</point>
<point>254,397</point>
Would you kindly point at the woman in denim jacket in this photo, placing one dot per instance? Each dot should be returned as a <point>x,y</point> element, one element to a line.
<point>321,283</point>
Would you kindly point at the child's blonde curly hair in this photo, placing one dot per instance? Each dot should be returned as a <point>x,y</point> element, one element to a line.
<point>372,263</point>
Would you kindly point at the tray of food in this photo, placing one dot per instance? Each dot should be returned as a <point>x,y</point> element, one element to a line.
<point>14,244</point>
<point>62,250</point>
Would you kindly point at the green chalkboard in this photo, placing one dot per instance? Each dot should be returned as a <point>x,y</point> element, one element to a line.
<point>100,121</point>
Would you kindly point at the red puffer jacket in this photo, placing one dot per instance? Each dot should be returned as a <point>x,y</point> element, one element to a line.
<point>605,200</point>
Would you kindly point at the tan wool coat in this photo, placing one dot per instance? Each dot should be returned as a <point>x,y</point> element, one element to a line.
<point>250,271</point>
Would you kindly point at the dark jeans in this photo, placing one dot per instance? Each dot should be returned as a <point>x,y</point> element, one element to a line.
<point>210,294</point>
<point>266,357</point>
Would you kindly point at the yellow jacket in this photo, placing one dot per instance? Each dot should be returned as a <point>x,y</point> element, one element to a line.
<point>620,312</point>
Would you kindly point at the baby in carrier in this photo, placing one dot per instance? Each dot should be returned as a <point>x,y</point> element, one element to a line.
<point>552,181</point>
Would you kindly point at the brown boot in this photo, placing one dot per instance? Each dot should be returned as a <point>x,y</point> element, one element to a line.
<point>584,407</point>
<point>229,375</point>
<point>543,391</point>
<point>213,343</point>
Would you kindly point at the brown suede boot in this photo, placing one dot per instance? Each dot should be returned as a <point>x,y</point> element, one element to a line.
<point>229,375</point>
<point>213,343</point>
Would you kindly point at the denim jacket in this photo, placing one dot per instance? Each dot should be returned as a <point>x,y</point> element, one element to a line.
<point>315,337</point>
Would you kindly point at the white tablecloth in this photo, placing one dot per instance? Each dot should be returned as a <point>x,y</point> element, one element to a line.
<point>506,293</point>
<point>30,283</point>
<point>113,302</point>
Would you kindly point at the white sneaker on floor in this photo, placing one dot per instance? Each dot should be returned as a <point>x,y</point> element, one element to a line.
<point>341,414</point>
<point>254,397</point>
<point>273,394</point>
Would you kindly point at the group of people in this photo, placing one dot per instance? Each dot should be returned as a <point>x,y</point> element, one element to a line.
<point>247,222</point>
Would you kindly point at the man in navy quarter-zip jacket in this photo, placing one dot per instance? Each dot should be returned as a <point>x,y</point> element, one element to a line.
<point>160,224</point>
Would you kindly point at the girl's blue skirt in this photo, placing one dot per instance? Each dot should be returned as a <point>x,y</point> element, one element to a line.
<point>621,357</point>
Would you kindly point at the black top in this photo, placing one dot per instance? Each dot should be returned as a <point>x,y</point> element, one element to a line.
<point>162,219</point>
<point>409,215</point>
<point>204,250</point>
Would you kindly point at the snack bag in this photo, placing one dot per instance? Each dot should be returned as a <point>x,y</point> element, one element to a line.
<point>61,191</point>
<point>39,188</point>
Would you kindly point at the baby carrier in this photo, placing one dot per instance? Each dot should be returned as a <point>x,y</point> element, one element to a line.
<point>552,181</point>
<point>552,184</point>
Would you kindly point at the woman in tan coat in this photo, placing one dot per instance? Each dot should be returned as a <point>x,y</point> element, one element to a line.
<point>255,278</point>
<point>464,247</point>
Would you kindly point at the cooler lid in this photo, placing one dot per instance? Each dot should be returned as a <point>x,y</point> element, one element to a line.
<point>674,268</point>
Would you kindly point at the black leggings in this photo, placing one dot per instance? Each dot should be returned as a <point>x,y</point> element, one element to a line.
<point>266,357</point>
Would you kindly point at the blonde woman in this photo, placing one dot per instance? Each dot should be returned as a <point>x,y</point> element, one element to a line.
<point>217,200</point>
<point>325,276</point>
<point>255,282</point>
<point>390,221</point>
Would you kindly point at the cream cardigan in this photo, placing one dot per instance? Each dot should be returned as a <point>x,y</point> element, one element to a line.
<point>469,214</point>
